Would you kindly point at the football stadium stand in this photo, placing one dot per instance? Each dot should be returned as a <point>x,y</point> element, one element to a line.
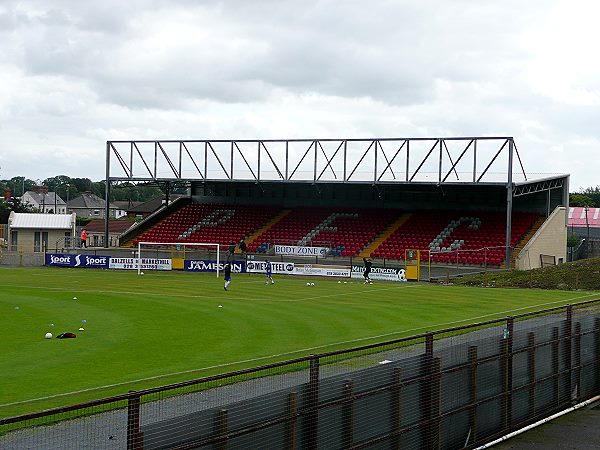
<point>478,235</point>
<point>380,233</point>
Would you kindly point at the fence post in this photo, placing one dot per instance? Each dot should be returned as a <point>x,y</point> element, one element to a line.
<point>568,353</point>
<point>313,404</point>
<point>556,366</point>
<point>348,415</point>
<point>396,406</point>
<point>597,351</point>
<point>473,393</point>
<point>434,405</point>
<point>578,361</point>
<point>509,371</point>
<point>293,423</point>
<point>431,395</point>
<point>135,439</point>
<point>531,371</point>
<point>221,427</point>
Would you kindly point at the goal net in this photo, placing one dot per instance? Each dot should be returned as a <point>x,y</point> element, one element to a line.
<point>172,255</point>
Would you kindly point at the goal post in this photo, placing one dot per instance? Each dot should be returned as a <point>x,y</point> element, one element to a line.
<point>149,253</point>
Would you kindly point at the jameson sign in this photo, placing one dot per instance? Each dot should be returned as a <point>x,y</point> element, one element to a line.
<point>380,273</point>
<point>296,250</point>
<point>206,265</point>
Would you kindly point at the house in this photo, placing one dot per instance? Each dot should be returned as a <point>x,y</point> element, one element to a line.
<point>45,202</point>
<point>32,232</point>
<point>90,205</point>
<point>95,231</point>
<point>143,210</point>
<point>123,206</point>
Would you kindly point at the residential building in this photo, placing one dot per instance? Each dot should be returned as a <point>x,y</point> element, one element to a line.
<point>90,205</point>
<point>143,210</point>
<point>45,202</point>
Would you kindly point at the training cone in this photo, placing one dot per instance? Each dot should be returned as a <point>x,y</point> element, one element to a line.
<point>81,329</point>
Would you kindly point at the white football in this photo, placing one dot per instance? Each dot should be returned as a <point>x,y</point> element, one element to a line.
<point>48,336</point>
<point>142,273</point>
<point>308,284</point>
<point>312,284</point>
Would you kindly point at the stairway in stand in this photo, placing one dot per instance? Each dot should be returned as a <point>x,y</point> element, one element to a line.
<point>369,249</point>
<point>268,225</point>
<point>523,242</point>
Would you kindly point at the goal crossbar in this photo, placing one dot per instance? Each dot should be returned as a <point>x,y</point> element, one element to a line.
<point>177,245</point>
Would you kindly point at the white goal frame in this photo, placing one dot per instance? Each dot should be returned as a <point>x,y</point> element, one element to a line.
<point>182,244</point>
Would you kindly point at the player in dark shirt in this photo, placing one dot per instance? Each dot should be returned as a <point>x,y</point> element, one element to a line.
<point>242,246</point>
<point>230,251</point>
<point>227,273</point>
<point>269,272</point>
<point>368,263</point>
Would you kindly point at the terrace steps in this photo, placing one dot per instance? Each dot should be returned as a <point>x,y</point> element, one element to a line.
<point>267,226</point>
<point>386,233</point>
<point>523,242</point>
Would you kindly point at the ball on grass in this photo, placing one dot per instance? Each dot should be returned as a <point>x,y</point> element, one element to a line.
<point>48,336</point>
<point>308,284</point>
<point>142,273</point>
<point>312,284</point>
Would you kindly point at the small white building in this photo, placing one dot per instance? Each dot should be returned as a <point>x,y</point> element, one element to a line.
<point>32,232</point>
<point>45,202</point>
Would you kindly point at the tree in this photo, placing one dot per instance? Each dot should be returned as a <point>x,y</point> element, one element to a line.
<point>580,200</point>
<point>593,193</point>
<point>16,185</point>
<point>13,204</point>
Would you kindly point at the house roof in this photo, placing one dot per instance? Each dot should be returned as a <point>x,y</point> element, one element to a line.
<point>114,226</point>
<point>577,217</point>
<point>125,204</point>
<point>88,200</point>
<point>41,221</point>
<point>153,204</point>
<point>46,199</point>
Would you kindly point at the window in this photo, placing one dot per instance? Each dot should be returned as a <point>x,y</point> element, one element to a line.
<point>14,240</point>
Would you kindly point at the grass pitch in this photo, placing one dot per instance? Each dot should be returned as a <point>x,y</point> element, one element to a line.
<point>172,326</point>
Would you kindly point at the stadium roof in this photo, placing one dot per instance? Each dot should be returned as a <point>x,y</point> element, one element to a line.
<point>434,160</point>
<point>583,217</point>
<point>42,221</point>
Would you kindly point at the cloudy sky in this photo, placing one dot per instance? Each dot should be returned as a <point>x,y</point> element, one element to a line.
<point>74,74</point>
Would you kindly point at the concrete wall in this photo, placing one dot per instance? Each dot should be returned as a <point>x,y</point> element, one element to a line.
<point>550,239</point>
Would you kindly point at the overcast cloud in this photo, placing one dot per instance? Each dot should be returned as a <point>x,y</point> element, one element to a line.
<point>74,74</point>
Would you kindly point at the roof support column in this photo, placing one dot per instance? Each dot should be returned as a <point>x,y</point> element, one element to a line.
<point>509,203</point>
<point>106,195</point>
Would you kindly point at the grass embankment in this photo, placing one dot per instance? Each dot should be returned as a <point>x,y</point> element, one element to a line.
<point>578,275</point>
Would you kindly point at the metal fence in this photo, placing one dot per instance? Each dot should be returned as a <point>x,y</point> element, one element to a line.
<point>449,389</point>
